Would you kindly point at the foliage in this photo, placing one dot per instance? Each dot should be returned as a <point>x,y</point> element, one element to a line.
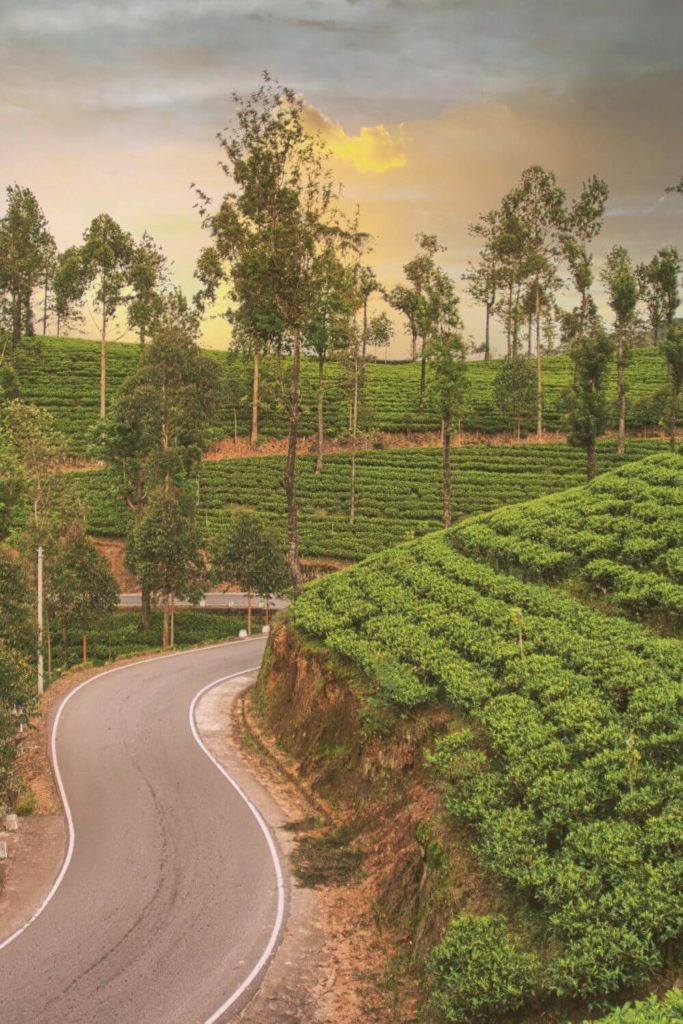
<point>515,391</point>
<point>568,771</point>
<point>63,377</point>
<point>587,400</point>
<point>164,546</point>
<point>667,1010</point>
<point>478,972</point>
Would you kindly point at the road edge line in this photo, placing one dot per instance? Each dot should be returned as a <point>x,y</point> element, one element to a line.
<point>265,957</point>
<point>58,777</point>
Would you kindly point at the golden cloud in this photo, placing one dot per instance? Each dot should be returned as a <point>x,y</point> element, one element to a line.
<point>374,150</point>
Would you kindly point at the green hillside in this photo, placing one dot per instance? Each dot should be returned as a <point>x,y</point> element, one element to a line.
<point>560,757</point>
<point>62,375</point>
<point>399,491</point>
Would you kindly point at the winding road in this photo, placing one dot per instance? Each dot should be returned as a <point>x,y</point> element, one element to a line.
<point>171,898</point>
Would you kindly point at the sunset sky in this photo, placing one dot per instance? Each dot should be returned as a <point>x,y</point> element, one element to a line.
<point>432,109</point>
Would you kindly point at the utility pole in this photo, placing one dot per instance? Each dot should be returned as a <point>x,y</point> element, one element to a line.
<point>41,682</point>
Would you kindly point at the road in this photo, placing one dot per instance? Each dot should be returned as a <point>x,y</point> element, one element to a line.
<point>171,898</point>
<point>214,600</point>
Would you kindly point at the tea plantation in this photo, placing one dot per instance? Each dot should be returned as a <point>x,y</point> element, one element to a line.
<point>563,757</point>
<point>399,491</point>
<point>62,375</point>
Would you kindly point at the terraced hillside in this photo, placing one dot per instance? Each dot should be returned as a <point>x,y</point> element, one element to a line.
<point>550,729</point>
<point>62,375</point>
<point>399,491</point>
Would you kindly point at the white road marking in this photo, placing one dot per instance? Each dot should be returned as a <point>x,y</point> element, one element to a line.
<point>58,775</point>
<point>279,875</point>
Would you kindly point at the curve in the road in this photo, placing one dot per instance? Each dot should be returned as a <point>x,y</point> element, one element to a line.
<point>27,932</point>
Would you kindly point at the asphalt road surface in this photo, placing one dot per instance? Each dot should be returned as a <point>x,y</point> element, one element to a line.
<point>171,898</point>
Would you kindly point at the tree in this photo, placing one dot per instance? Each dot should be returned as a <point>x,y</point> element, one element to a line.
<point>106,256</point>
<point>40,449</point>
<point>68,287</point>
<point>483,278</point>
<point>80,587</point>
<point>148,278</point>
<point>622,286</point>
<point>47,277</point>
<point>428,303</point>
<point>164,551</point>
<point>155,433</point>
<point>446,359</point>
<point>406,301</point>
<point>514,392</point>
<point>583,223</point>
<point>275,231</point>
<point>658,283</point>
<point>252,554</point>
<point>24,244</point>
<point>329,330</point>
<point>672,350</point>
<point>587,415</point>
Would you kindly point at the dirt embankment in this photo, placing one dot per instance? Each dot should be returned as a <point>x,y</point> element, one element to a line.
<point>368,768</point>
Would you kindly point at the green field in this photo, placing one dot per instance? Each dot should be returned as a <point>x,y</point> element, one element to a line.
<point>563,756</point>
<point>62,375</point>
<point>399,491</point>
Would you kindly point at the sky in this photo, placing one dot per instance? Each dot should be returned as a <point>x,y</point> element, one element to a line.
<point>431,108</point>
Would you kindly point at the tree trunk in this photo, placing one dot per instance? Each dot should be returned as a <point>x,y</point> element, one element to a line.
<point>365,326</point>
<point>45,306</point>
<point>48,636</point>
<point>85,648</point>
<point>446,427</point>
<point>321,424</point>
<point>539,369</point>
<point>165,630</point>
<point>354,438</point>
<point>103,370</point>
<point>487,336</point>
<point>413,344</point>
<point>16,322</point>
<point>59,326</point>
<point>621,392</point>
<point>590,460</point>
<point>249,613</point>
<point>145,608</point>
<point>290,466</point>
<point>509,320</point>
<point>673,414</point>
<point>423,377</point>
<point>65,644</point>
<point>255,401</point>
<point>172,622</point>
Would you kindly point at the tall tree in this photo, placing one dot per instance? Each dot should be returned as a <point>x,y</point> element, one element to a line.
<point>274,231</point>
<point>672,350</point>
<point>156,430</point>
<point>47,277</point>
<point>106,256</point>
<point>251,553</point>
<point>514,391</point>
<point>483,277</point>
<point>622,287</point>
<point>329,330</point>
<point>164,551</point>
<point>80,587</point>
<point>587,413</point>
<point>658,282</point>
<point>24,243</point>
<point>68,287</point>
<point>583,223</point>
<point>446,359</point>
<point>148,279</point>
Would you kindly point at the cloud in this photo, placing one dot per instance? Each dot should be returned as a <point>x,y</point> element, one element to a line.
<point>374,150</point>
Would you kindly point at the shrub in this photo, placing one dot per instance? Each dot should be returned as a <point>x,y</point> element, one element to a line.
<point>478,973</point>
<point>650,1011</point>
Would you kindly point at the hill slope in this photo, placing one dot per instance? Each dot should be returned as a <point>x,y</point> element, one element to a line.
<point>551,730</point>
<point>62,375</point>
<point>398,491</point>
